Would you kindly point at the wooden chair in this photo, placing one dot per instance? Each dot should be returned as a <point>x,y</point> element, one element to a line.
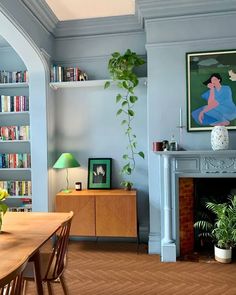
<point>52,264</point>
<point>12,284</point>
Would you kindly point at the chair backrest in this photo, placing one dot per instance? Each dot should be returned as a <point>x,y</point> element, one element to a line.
<point>12,284</point>
<point>58,256</point>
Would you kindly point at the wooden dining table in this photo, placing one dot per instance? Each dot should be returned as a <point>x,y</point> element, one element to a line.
<point>22,235</point>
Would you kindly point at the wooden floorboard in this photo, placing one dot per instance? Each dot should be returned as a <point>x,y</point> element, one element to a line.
<point>116,269</point>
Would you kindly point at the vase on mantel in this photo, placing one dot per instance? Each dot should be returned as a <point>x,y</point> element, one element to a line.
<point>219,138</point>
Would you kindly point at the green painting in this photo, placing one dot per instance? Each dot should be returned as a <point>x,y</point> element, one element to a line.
<point>211,90</point>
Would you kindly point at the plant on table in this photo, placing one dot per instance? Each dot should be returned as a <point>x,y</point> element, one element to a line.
<point>3,206</point>
<point>121,69</point>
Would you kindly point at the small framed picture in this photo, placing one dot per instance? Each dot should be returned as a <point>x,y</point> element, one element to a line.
<point>99,173</point>
<point>211,89</point>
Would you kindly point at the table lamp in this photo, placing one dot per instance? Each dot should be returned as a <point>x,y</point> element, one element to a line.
<point>65,161</point>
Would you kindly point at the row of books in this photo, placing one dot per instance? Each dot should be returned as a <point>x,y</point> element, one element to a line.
<point>60,74</point>
<point>14,77</point>
<point>14,103</point>
<point>23,208</point>
<point>21,160</point>
<point>14,133</point>
<point>17,187</point>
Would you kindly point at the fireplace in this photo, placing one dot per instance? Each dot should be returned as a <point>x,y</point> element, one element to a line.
<point>177,229</point>
<point>193,194</point>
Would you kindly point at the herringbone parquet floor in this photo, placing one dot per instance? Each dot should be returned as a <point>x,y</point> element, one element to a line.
<point>117,269</point>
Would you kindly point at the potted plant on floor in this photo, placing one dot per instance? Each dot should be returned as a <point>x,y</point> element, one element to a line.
<point>121,69</point>
<point>223,230</point>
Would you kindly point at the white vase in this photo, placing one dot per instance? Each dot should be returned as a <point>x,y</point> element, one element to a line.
<point>219,138</point>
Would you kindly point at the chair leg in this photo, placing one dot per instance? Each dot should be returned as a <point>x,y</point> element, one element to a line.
<point>24,287</point>
<point>63,284</point>
<point>49,288</point>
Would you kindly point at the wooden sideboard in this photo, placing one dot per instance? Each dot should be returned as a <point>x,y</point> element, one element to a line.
<point>101,213</point>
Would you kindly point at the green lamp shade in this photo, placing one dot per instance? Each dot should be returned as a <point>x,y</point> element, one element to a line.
<point>66,160</point>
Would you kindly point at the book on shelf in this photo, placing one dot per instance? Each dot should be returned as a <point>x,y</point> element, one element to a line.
<point>17,187</point>
<point>20,160</point>
<point>65,74</point>
<point>18,103</point>
<point>14,77</point>
<point>9,133</point>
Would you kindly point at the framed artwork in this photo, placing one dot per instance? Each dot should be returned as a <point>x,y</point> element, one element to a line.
<point>99,173</point>
<point>211,89</point>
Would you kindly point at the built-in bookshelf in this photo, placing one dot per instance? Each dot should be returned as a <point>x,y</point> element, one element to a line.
<point>15,144</point>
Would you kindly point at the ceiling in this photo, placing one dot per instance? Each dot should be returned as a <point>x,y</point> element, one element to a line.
<point>83,9</point>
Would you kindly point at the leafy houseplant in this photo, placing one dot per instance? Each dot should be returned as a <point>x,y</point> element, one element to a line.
<point>3,207</point>
<point>223,230</point>
<point>121,69</point>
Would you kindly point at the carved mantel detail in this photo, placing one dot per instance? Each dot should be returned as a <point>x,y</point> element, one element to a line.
<point>218,165</point>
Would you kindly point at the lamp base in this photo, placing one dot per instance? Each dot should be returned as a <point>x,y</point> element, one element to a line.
<point>67,191</point>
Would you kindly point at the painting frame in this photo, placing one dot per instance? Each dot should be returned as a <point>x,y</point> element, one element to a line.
<point>99,173</point>
<point>200,69</point>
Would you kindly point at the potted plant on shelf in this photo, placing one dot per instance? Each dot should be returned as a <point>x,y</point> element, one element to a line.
<point>223,230</point>
<point>121,69</point>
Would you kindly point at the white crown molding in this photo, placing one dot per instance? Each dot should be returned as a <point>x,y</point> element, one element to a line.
<point>97,26</point>
<point>43,13</point>
<point>162,8</point>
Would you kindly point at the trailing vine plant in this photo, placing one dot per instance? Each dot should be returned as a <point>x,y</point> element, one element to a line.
<point>121,69</point>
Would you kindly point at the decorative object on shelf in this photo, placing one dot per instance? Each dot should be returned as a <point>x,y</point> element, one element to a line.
<point>78,186</point>
<point>83,77</point>
<point>157,146</point>
<point>223,230</point>
<point>121,69</point>
<point>65,161</point>
<point>99,173</point>
<point>3,207</point>
<point>165,145</point>
<point>219,138</point>
<point>173,146</point>
<point>211,89</point>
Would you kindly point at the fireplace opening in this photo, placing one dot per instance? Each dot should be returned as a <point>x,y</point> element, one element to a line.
<point>193,194</point>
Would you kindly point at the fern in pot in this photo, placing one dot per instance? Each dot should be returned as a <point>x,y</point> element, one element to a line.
<point>223,230</point>
<point>121,68</point>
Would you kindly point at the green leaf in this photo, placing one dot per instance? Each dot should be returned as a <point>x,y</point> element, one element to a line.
<point>125,157</point>
<point>131,113</point>
<point>119,112</point>
<point>107,84</point>
<point>124,103</point>
<point>3,208</point>
<point>133,98</point>
<point>141,154</point>
<point>118,98</point>
<point>116,54</point>
<point>124,122</point>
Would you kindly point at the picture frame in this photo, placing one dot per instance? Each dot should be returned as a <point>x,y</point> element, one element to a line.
<point>211,90</point>
<point>99,173</point>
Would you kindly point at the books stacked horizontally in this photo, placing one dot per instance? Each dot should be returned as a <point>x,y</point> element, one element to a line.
<point>14,103</point>
<point>21,160</point>
<point>14,77</point>
<point>65,74</point>
<point>14,133</point>
<point>17,187</point>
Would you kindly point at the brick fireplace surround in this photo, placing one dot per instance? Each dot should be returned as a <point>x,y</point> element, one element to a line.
<point>178,170</point>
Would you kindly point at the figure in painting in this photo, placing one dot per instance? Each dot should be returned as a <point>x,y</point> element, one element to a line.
<point>220,108</point>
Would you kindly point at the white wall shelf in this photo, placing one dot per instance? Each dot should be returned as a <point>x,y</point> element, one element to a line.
<point>88,83</point>
<point>14,141</point>
<point>19,197</point>
<point>15,169</point>
<point>14,85</point>
<point>14,113</point>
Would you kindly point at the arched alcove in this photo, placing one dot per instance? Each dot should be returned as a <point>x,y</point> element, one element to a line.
<point>38,88</point>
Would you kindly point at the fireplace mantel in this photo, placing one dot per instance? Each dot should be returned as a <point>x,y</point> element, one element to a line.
<point>176,164</point>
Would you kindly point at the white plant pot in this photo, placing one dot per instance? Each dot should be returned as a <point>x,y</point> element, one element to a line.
<point>219,138</point>
<point>223,255</point>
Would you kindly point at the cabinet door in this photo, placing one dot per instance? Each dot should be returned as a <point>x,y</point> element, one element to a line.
<point>83,222</point>
<point>116,216</point>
